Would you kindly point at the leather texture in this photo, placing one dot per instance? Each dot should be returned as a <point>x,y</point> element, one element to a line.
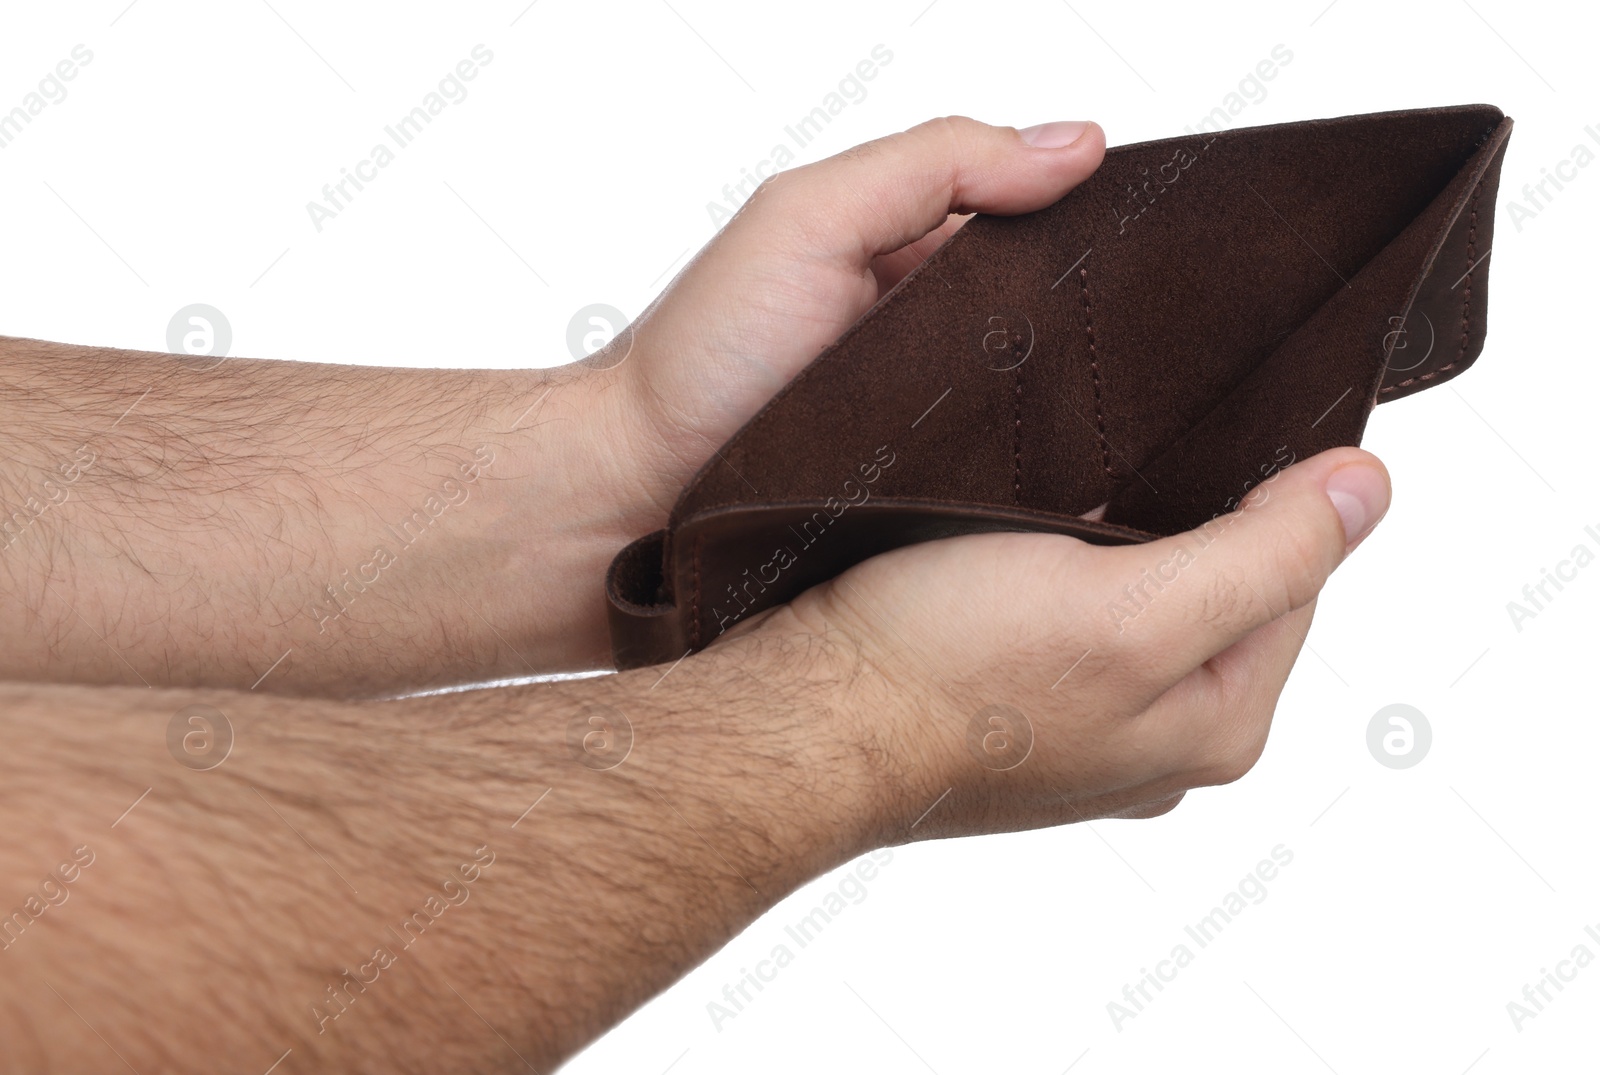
<point>1199,313</point>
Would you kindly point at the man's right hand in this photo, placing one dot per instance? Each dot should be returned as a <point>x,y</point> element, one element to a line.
<point>1033,680</point>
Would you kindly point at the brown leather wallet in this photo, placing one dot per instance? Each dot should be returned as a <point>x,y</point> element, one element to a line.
<point>1197,314</point>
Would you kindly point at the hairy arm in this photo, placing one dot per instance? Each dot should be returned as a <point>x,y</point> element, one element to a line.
<point>489,879</point>
<point>348,531</point>
<point>372,886</point>
<point>337,530</point>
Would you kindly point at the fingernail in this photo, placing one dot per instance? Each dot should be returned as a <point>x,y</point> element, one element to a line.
<point>1054,135</point>
<point>1360,494</point>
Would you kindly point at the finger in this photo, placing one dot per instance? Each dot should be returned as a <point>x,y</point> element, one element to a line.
<point>895,190</point>
<point>1265,655</point>
<point>794,268</point>
<point>1229,699</point>
<point>1205,590</point>
<point>1212,725</point>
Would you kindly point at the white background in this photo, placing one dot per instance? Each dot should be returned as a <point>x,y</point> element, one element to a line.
<point>578,170</point>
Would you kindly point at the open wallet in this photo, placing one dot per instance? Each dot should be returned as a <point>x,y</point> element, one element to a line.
<point>1122,365</point>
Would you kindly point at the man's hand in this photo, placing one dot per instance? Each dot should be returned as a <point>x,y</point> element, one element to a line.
<point>811,251</point>
<point>496,877</point>
<point>1024,680</point>
<point>491,879</point>
<point>353,531</point>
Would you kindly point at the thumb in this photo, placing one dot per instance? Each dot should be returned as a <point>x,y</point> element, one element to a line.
<point>882,195</point>
<point>795,266</point>
<point>1195,594</point>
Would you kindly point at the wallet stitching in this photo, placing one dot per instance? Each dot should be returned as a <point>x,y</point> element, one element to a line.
<point>1016,442</point>
<point>694,607</point>
<point>1466,292</point>
<point>1094,370</point>
<point>1466,299</point>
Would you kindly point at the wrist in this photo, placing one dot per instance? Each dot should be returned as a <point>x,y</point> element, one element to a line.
<point>517,467</point>
<point>567,503</point>
<point>861,729</point>
<point>585,465</point>
<point>610,468</point>
<point>766,730</point>
<point>913,748</point>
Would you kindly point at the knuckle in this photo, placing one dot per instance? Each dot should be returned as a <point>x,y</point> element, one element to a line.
<point>1143,809</point>
<point>774,199</point>
<point>775,190</point>
<point>1161,807</point>
<point>1226,601</point>
<point>1240,738</point>
<point>958,139</point>
<point>962,134</point>
<point>865,150</point>
<point>1237,764</point>
<point>770,185</point>
<point>954,127</point>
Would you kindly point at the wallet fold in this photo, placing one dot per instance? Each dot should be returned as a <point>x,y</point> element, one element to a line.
<point>1198,314</point>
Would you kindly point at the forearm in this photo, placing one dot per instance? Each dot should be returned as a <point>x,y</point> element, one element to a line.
<point>322,529</point>
<point>219,910</point>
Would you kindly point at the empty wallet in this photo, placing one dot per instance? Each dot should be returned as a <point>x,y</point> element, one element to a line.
<point>1198,313</point>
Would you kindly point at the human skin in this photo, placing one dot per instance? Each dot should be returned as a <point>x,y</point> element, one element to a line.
<point>173,569</point>
<point>222,501</point>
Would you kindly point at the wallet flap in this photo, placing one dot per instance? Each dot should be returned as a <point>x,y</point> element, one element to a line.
<point>1316,389</point>
<point>1061,351</point>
